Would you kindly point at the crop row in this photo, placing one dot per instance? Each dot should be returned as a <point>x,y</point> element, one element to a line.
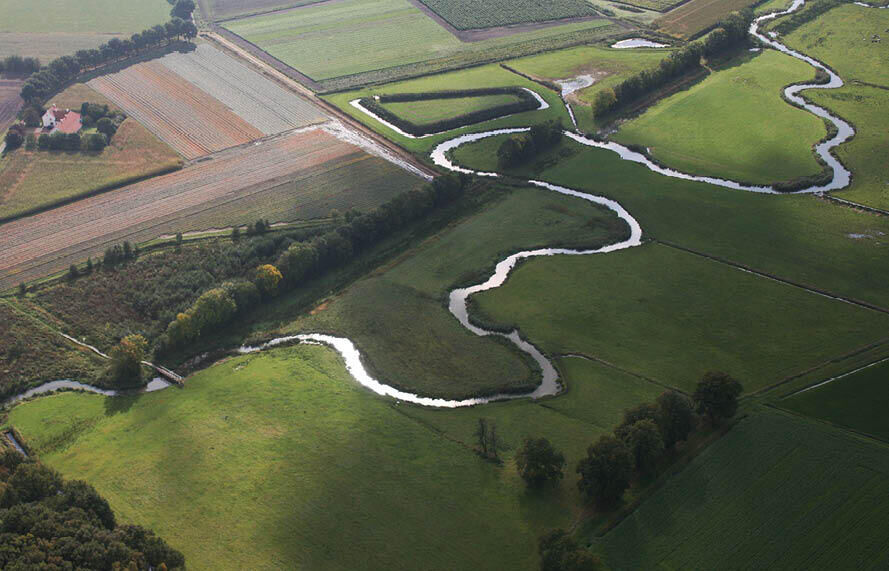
<point>475,14</point>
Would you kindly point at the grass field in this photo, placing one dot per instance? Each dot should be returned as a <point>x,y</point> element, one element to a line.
<point>777,492</point>
<point>799,238</point>
<point>50,28</point>
<point>857,401</point>
<point>215,10</point>
<point>672,316</point>
<point>697,16</point>
<point>303,175</point>
<point>427,111</point>
<point>281,461</point>
<point>413,291</point>
<point>377,40</point>
<point>474,78</point>
<point>694,131</point>
<point>607,66</point>
<point>32,353</point>
<point>474,14</point>
<point>844,39</point>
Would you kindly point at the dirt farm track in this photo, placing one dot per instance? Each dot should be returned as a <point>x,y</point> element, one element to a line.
<point>49,242</point>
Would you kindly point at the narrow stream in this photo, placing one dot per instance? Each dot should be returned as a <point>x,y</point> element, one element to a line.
<point>459,298</point>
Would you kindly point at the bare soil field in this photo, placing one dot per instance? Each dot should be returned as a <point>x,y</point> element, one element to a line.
<point>10,102</point>
<point>697,15</point>
<point>203,192</point>
<point>49,46</point>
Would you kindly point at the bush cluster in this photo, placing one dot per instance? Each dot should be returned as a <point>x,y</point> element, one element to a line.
<point>729,32</point>
<point>521,148</point>
<point>43,83</point>
<point>526,102</point>
<point>48,523</point>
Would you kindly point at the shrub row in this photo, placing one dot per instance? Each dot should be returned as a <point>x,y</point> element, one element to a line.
<point>728,34</point>
<point>304,260</point>
<point>60,71</point>
<point>526,102</point>
<point>19,64</point>
<point>520,148</point>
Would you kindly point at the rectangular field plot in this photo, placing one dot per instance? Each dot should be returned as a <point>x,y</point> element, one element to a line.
<point>776,492</point>
<point>203,101</point>
<point>216,10</point>
<point>349,43</point>
<point>474,14</point>
<point>698,15</point>
<point>857,401</point>
<point>10,102</point>
<point>303,175</point>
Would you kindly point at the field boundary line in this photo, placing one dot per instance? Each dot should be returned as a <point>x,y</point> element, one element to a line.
<point>766,275</point>
<point>834,426</point>
<point>621,369</point>
<point>855,205</point>
<point>817,384</point>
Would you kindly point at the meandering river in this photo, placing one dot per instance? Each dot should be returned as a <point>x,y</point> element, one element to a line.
<point>459,298</point>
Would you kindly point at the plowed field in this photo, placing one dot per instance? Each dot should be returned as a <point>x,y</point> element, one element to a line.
<point>180,114</point>
<point>48,242</point>
<point>10,102</point>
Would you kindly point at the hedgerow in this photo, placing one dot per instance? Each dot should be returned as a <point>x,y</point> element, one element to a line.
<point>526,102</point>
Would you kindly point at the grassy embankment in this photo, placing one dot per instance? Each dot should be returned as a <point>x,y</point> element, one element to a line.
<point>350,43</point>
<point>51,28</point>
<point>607,66</point>
<point>843,38</point>
<point>475,78</point>
<point>777,492</point>
<point>38,179</point>
<point>734,124</point>
<point>427,111</point>
<point>282,461</point>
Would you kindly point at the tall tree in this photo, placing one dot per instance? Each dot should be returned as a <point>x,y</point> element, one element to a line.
<point>646,445</point>
<point>605,472</point>
<point>675,417</point>
<point>560,552</point>
<point>539,462</point>
<point>716,396</point>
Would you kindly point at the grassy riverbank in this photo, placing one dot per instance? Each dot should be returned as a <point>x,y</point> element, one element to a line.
<point>734,124</point>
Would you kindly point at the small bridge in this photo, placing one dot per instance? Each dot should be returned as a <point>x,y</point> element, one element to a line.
<point>166,373</point>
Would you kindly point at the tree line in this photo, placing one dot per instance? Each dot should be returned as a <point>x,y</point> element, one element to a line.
<point>522,147</point>
<point>53,524</point>
<point>19,65</point>
<point>526,102</point>
<point>43,83</point>
<point>304,260</point>
<point>729,32</point>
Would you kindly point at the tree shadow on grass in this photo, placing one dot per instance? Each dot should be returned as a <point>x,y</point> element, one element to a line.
<point>119,404</point>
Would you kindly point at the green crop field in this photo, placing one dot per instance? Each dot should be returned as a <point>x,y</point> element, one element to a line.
<point>359,41</point>
<point>474,78</point>
<point>32,353</point>
<point>693,131</point>
<point>607,66</point>
<point>282,461</point>
<point>474,14</point>
<point>50,28</point>
<point>857,401</point>
<point>414,290</point>
<point>775,493</point>
<point>216,10</point>
<point>845,39</point>
<point>657,5</point>
<point>672,316</point>
<point>430,110</point>
<point>798,238</point>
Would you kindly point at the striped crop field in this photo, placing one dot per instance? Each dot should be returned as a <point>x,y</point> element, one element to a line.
<point>303,175</point>
<point>202,102</point>
<point>696,16</point>
<point>474,14</point>
<point>10,102</point>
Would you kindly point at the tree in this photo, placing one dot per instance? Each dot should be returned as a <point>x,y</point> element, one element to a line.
<point>604,102</point>
<point>14,137</point>
<point>646,445</point>
<point>716,396</point>
<point>267,279</point>
<point>538,462</point>
<point>236,233</point>
<point>297,262</point>
<point>645,411</point>
<point>72,272</point>
<point>605,472</point>
<point>95,142</point>
<point>106,126</point>
<point>486,433</point>
<point>560,552</point>
<point>183,9</point>
<point>675,417</point>
<point>44,142</point>
<point>126,360</point>
<point>23,289</point>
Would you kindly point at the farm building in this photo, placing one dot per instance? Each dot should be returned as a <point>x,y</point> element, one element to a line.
<point>66,121</point>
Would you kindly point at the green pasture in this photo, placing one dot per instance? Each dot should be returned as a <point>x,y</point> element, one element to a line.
<point>280,460</point>
<point>799,238</point>
<point>607,66</point>
<point>429,110</point>
<point>351,37</point>
<point>672,316</point>
<point>474,14</point>
<point>851,40</point>
<point>867,108</point>
<point>857,401</point>
<point>734,124</point>
<point>473,78</point>
<point>400,312</point>
<point>776,492</point>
